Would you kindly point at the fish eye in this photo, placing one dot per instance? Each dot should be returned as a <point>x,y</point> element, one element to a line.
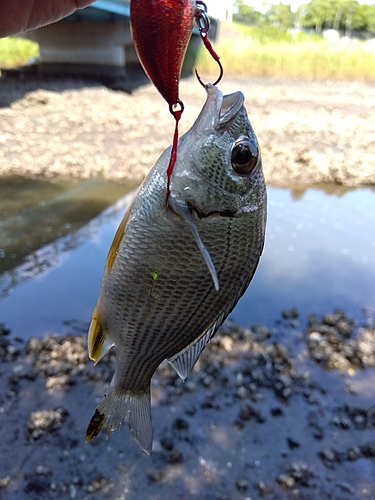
<point>244,156</point>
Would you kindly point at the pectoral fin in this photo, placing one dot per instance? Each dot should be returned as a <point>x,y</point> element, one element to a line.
<point>98,344</point>
<point>184,212</point>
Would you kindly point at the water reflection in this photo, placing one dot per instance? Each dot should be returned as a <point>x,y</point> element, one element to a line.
<point>319,255</point>
<point>35,215</point>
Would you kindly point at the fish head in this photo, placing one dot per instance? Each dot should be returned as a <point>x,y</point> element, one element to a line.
<point>219,167</point>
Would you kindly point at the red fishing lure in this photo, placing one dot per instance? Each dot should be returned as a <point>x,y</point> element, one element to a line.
<point>161,32</point>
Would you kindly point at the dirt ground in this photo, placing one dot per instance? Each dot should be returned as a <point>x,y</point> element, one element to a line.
<point>309,132</point>
<point>282,414</point>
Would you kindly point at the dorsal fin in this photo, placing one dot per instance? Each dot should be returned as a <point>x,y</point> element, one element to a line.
<point>117,240</point>
<point>98,344</point>
<point>118,236</point>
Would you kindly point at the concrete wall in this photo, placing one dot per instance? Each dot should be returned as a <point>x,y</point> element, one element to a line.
<point>83,42</point>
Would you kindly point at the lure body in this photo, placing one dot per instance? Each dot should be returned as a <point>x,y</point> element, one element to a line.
<point>161,33</point>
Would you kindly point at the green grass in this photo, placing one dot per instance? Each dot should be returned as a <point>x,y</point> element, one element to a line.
<point>252,51</point>
<point>16,51</point>
<point>246,50</point>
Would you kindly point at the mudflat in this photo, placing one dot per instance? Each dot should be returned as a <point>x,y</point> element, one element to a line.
<point>287,413</point>
<point>309,132</point>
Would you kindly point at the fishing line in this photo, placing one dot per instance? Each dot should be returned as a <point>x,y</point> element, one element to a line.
<point>126,480</point>
<point>173,108</point>
<point>203,23</point>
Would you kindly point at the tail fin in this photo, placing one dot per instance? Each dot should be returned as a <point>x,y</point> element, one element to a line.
<point>115,406</point>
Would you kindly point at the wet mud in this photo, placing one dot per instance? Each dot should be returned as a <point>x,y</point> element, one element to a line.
<point>286,413</point>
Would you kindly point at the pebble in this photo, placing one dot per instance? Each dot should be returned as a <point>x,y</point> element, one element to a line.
<point>328,455</point>
<point>43,422</point>
<point>242,484</point>
<point>263,489</point>
<point>100,483</point>
<point>337,344</point>
<point>286,481</point>
<point>43,470</point>
<point>4,482</point>
<point>155,475</point>
<point>259,366</point>
<point>248,412</point>
<point>175,456</point>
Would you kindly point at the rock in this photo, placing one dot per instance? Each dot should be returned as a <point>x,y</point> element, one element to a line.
<point>38,485</point>
<point>329,457</point>
<point>286,481</point>
<point>263,489</point>
<point>354,453</point>
<point>43,422</point>
<point>180,424</point>
<point>4,482</point>
<point>248,412</point>
<point>292,444</point>
<point>368,449</point>
<point>175,456</point>
<point>155,475</point>
<point>100,484</point>
<point>242,485</point>
<point>334,343</point>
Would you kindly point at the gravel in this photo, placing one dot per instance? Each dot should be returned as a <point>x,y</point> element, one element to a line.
<point>256,419</point>
<point>286,413</point>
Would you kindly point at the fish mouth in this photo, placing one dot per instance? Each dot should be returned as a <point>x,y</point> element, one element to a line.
<point>227,106</point>
<point>231,105</point>
<point>219,111</point>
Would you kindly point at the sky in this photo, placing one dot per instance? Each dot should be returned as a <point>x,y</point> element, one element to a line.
<point>217,8</point>
<point>257,4</point>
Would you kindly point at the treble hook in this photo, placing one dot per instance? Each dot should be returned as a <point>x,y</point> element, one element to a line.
<point>203,23</point>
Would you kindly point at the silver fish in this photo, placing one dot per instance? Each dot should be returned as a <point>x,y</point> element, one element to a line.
<point>178,265</point>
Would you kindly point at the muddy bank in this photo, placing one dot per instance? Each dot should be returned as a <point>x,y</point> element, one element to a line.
<point>281,414</point>
<point>310,132</point>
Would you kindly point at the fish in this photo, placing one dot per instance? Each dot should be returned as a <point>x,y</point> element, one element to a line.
<point>179,262</point>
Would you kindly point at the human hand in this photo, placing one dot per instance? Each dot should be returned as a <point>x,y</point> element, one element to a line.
<point>17,16</point>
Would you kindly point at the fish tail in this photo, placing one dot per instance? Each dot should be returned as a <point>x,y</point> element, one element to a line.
<point>115,406</point>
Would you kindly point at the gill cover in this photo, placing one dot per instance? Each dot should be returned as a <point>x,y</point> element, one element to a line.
<point>217,114</point>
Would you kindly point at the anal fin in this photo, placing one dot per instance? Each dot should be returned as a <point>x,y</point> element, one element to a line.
<point>184,360</point>
<point>98,344</point>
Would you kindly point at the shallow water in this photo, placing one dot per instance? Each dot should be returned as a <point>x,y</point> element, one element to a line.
<point>319,255</point>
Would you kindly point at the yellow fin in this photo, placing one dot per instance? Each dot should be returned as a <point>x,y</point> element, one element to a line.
<point>98,345</point>
<point>118,237</point>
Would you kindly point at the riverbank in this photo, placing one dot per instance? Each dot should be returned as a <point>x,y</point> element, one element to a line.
<point>281,414</point>
<point>309,132</point>
<point>285,413</point>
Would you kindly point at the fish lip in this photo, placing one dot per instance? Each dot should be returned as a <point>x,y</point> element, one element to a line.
<point>227,106</point>
<point>218,111</point>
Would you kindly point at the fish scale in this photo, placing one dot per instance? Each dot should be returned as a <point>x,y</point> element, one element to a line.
<point>158,298</point>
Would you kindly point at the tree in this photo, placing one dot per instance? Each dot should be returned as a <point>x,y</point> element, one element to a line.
<point>245,13</point>
<point>280,15</point>
<point>314,14</point>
